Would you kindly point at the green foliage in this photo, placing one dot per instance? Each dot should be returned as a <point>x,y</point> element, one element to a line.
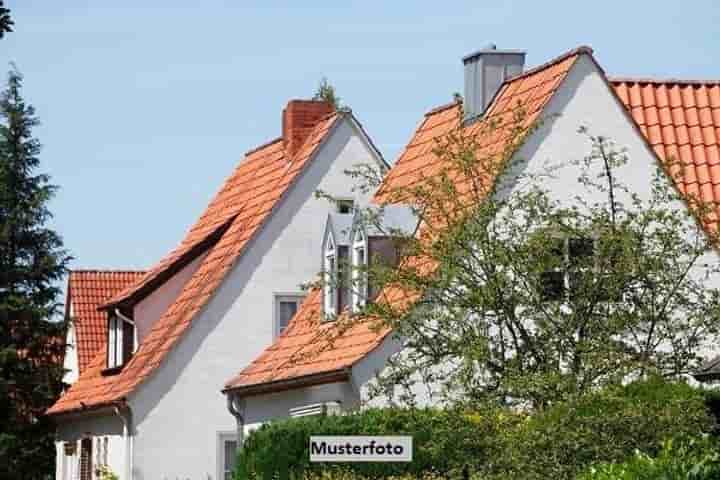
<point>442,440</point>
<point>534,295</point>
<point>6,22</point>
<point>695,459</point>
<point>605,426</point>
<point>326,93</point>
<point>556,443</point>
<point>32,262</point>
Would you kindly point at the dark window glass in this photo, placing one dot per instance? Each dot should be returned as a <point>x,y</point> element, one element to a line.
<point>552,285</point>
<point>345,206</point>
<point>128,339</point>
<point>86,467</point>
<point>580,248</point>
<point>287,310</point>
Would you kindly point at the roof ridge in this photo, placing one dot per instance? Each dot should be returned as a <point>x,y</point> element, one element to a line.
<point>680,81</point>
<point>100,270</point>
<point>575,51</point>
<point>444,107</point>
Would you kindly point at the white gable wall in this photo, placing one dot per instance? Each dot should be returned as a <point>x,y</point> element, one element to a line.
<point>70,361</point>
<point>179,412</point>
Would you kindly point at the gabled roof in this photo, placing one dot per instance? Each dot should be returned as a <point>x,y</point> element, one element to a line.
<point>235,215</point>
<point>310,348</point>
<point>385,220</point>
<point>338,224</point>
<point>87,290</point>
<point>680,120</point>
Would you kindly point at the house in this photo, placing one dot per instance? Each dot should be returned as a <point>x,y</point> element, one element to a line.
<point>86,291</point>
<point>319,363</point>
<point>149,403</point>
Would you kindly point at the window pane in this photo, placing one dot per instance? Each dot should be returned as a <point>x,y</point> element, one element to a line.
<point>580,247</point>
<point>287,310</point>
<point>229,460</point>
<point>552,285</point>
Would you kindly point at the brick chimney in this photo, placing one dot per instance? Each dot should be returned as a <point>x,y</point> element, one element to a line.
<point>298,120</point>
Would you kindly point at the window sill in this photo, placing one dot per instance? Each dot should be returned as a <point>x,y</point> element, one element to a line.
<point>108,372</point>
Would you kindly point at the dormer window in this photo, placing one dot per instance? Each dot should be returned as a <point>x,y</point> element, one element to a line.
<point>359,271</point>
<point>335,263</point>
<point>121,340</point>
<point>329,275</point>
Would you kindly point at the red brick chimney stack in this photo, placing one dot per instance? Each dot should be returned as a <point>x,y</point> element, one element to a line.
<point>298,120</point>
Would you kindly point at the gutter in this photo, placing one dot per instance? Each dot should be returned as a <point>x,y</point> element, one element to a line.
<point>339,375</point>
<point>236,407</point>
<point>123,411</point>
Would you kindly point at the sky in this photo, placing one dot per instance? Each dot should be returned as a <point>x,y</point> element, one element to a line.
<point>147,106</point>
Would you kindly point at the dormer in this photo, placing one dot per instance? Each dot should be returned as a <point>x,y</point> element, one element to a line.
<point>121,341</point>
<point>335,263</point>
<point>373,240</point>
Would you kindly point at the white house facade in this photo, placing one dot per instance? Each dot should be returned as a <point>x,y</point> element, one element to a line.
<point>218,300</point>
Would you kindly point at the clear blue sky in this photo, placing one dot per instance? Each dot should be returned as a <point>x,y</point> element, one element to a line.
<point>146,109</point>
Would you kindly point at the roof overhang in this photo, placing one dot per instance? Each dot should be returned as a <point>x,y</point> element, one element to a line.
<point>334,376</point>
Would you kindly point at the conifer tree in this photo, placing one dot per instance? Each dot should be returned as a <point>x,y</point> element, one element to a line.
<point>32,262</point>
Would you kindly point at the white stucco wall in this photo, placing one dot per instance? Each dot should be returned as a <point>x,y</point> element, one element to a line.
<point>99,429</point>
<point>147,311</point>
<point>180,410</point>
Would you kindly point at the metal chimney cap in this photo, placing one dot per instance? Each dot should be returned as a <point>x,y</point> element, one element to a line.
<point>491,49</point>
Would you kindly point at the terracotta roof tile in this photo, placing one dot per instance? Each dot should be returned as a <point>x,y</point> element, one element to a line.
<point>87,290</point>
<point>309,346</point>
<point>242,205</point>
<point>690,130</point>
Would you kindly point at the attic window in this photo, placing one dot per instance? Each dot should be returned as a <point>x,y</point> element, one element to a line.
<point>121,340</point>
<point>286,306</point>
<point>571,257</point>
<point>344,205</point>
<point>329,273</point>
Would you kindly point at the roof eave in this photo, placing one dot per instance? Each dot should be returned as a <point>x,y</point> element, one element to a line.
<point>333,376</point>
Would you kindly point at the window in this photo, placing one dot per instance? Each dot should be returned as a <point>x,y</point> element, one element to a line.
<point>86,463</point>
<point>329,285</point>
<point>229,460</point>
<point>286,306</point>
<point>226,454</point>
<point>359,280</point>
<point>344,206</point>
<point>121,341</point>
<point>571,260</point>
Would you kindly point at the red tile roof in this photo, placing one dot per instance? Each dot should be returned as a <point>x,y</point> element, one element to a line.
<point>234,216</point>
<point>681,121</point>
<point>309,347</point>
<point>87,290</point>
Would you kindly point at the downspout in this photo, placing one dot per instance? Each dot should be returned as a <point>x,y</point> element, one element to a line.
<point>125,415</point>
<point>236,406</point>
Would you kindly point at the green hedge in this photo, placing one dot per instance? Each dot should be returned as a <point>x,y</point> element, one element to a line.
<point>697,459</point>
<point>557,443</point>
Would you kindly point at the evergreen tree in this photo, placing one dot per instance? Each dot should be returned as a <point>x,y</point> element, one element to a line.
<point>6,22</point>
<point>32,262</point>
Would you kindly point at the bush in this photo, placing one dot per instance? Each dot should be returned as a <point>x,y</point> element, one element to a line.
<point>442,441</point>
<point>682,460</point>
<point>557,443</point>
<point>606,426</point>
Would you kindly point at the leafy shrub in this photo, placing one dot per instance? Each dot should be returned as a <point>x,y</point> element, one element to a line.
<point>559,442</point>
<point>697,459</point>
<point>442,441</point>
<point>605,426</point>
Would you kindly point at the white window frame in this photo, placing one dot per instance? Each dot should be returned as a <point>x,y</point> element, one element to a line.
<point>359,284</point>
<point>278,298</point>
<point>564,268</point>
<point>329,279</point>
<point>222,438</point>
<point>115,341</point>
